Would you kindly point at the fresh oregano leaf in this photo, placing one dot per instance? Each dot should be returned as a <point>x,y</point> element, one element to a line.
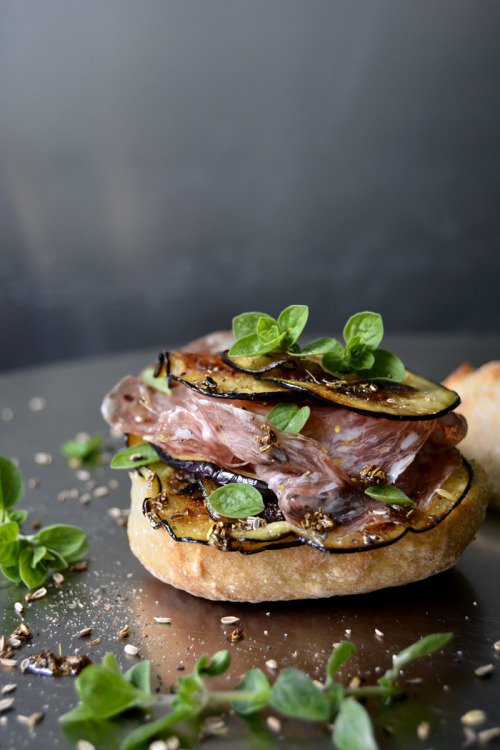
<point>11,484</point>
<point>236,501</point>
<point>292,321</point>
<point>67,541</point>
<point>367,326</point>
<point>318,346</point>
<point>423,647</point>
<point>82,450</point>
<point>289,417</point>
<point>33,575</point>
<point>9,545</point>
<point>390,494</point>
<point>255,682</point>
<point>295,694</point>
<point>216,666</point>
<point>19,516</point>
<point>140,676</point>
<point>386,366</point>
<point>249,345</point>
<point>340,654</point>
<point>143,736</point>
<point>353,729</point>
<point>135,456</point>
<point>245,324</point>
<point>105,693</point>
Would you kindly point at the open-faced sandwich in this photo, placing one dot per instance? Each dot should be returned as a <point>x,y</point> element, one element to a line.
<point>263,471</point>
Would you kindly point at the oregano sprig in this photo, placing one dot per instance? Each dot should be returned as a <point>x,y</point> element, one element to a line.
<point>28,559</point>
<point>106,694</point>
<point>258,333</point>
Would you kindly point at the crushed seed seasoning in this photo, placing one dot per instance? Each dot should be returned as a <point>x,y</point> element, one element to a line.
<point>58,578</point>
<point>84,745</point>
<point>32,720</point>
<point>85,631</point>
<point>496,645</point>
<point>94,642</point>
<point>19,607</point>
<point>423,730</point>
<point>124,632</point>
<point>7,662</point>
<point>37,403</point>
<point>487,735</point>
<point>7,414</point>
<point>78,567</point>
<point>33,483</point>
<point>272,665</point>
<point>237,635</point>
<point>163,620</point>
<point>100,491</point>
<point>51,665</point>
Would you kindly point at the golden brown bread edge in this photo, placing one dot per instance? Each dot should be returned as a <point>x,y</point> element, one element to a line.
<point>479,390</point>
<point>304,572</point>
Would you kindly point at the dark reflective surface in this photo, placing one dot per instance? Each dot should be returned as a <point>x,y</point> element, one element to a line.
<point>116,591</point>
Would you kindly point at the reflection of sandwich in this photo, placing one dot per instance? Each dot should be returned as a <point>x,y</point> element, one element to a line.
<point>479,391</point>
<point>371,492</point>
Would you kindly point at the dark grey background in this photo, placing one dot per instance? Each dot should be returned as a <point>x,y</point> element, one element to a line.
<point>166,164</point>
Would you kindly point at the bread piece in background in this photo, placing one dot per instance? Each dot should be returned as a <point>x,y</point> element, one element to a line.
<point>479,389</point>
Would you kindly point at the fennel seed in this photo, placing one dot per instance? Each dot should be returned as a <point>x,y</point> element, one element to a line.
<point>485,671</point>
<point>9,688</point>
<point>131,650</point>
<point>163,620</point>
<point>6,704</point>
<point>473,718</point>
<point>229,620</point>
<point>124,632</point>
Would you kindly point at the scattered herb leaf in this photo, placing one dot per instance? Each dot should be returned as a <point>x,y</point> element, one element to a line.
<point>134,456</point>
<point>82,449</point>
<point>236,500</point>
<point>289,417</point>
<point>148,377</point>
<point>390,494</point>
<point>28,559</point>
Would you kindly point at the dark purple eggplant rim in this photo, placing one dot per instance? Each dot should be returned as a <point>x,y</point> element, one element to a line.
<point>358,410</point>
<point>300,541</point>
<point>268,397</point>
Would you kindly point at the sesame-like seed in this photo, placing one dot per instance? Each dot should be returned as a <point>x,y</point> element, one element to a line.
<point>113,484</point>
<point>5,662</point>
<point>33,483</point>
<point>163,620</point>
<point>229,620</point>
<point>84,745</point>
<point>85,631</point>
<point>6,704</point>
<point>274,724</point>
<point>272,665</point>
<point>114,512</point>
<point>9,688</point>
<point>37,403</point>
<point>131,650</point>
<point>496,645</point>
<point>15,642</point>
<point>379,633</point>
<point>124,632</point>
<point>58,578</point>
<point>43,459</point>
<point>473,718</point>
<point>487,735</point>
<point>423,730</point>
<point>83,475</point>
<point>19,608</point>
<point>101,491</point>
<point>7,414</point>
<point>85,498</point>
<point>485,671</point>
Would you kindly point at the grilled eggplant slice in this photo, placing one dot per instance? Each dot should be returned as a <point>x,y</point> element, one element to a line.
<point>210,375</point>
<point>415,398</point>
<point>176,501</point>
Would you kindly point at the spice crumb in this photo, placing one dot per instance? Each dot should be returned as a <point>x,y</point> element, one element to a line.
<point>485,671</point>
<point>473,718</point>
<point>487,735</point>
<point>43,459</point>
<point>9,688</point>
<point>131,650</point>
<point>229,620</point>
<point>274,724</point>
<point>423,730</point>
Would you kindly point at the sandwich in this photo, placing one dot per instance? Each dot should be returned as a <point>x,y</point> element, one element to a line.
<point>265,471</point>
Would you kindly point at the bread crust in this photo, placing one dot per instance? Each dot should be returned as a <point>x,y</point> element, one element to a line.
<point>303,572</point>
<point>479,390</point>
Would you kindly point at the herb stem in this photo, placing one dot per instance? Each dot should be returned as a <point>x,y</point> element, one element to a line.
<point>372,691</point>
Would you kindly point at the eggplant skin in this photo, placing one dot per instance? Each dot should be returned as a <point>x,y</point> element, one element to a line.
<point>179,506</point>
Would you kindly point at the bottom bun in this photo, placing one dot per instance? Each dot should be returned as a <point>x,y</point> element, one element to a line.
<point>302,572</point>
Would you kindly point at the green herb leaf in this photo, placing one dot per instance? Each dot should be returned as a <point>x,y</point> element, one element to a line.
<point>11,484</point>
<point>236,501</point>
<point>352,729</point>
<point>248,345</point>
<point>148,377</point>
<point>9,546</point>
<point>386,366</point>
<point>292,322</point>
<point>340,654</point>
<point>257,683</point>
<point>423,647</point>
<point>335,360</point>
<point>140,676</point>
<point>82,450</point>
<point>134,456</point>
<point>104,693</point>
<point>245,324</point>
<point>390,494</point>
<point>218,664</point>
<point>19,516</point>
<point>366,326</point>
<point>318,346</point>
<point>288,417</point>
<point>12,572</point>
<point>39,553</point>
<point>67,541</point>
<point>295,694</point>
<point>33,575</point>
